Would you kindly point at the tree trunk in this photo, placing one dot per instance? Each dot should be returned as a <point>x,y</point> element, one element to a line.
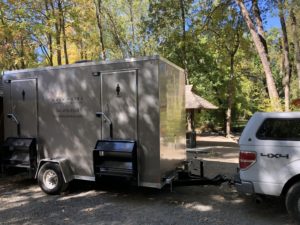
<point>231,85</point>
<point>50,44</point>
<point>132,28</point>
<point>22,54</point>
<point>57,32</point>
<point>49,35</point>
<point>81,49</point>
<point>117,38</point>
<point>259,24</point>
<point>58,44</point>
<point>273,94</point>
<point>184,58</point>
<point>98,5</point>
<point>65,43</point>
<point>191,120</point>
<point>286,53</point>
<point>296,42</point>
<point>63,28</point>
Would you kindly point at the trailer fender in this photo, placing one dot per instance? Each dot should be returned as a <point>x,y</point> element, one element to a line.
<point>64,167</point>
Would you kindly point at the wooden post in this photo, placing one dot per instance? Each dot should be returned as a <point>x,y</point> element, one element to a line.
<point>193,119</point>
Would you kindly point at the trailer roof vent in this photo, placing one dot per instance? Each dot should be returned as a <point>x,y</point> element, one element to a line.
<point>83,61</point>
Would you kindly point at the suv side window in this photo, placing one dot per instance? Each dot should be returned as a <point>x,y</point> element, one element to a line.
<point>279,129</point>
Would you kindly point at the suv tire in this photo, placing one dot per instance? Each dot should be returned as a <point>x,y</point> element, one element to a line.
<point>292,201</point>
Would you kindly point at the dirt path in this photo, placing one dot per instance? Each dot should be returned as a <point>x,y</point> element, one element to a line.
<point>22,202</point>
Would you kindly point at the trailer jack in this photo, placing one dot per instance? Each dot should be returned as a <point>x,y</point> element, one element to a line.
<point>186,179</point>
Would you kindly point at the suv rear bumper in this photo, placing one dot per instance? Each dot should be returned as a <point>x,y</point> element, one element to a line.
<point>245,187</point>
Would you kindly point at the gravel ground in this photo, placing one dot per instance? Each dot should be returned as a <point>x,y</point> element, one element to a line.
<point>22,201</point>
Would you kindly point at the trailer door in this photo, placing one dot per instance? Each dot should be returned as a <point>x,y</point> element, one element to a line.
<point>24,106</point>
<point>119,103</point>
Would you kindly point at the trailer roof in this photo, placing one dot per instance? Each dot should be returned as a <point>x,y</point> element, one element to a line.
<point>95,63</point>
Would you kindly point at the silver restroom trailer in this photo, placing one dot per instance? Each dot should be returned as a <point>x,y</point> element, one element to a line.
<point>83,121</point>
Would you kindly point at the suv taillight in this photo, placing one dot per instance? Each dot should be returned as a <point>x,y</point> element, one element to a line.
<point>247,159</point>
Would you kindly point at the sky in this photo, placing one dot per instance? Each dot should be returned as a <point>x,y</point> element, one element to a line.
<point>271,22</point>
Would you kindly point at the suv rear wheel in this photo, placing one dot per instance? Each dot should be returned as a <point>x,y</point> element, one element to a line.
<point>292,201</point>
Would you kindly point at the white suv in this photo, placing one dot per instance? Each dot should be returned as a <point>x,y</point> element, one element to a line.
<point>269,161</point>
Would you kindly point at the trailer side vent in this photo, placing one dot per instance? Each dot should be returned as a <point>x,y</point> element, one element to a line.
<point>115,158</point>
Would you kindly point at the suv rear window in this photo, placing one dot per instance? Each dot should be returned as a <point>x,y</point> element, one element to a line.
<point>279,129</point>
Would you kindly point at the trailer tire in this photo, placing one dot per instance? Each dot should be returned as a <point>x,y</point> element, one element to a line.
<point>51,180</point>
<point>292,201</point>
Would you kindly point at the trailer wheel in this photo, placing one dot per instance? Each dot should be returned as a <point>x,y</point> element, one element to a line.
<point>51,180</point>
<point>292,201</point>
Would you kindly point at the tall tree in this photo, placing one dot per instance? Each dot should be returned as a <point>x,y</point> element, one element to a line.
<point>54,5</point>
<point>286,53</point>
<point>130,3</point>
<point>259,23</point>
<point>49,35</point>
<point>273,94</point>
<point>293,20</point>
<point>98,7</point>
<point>232,50</point>
<point>16,46</point>
<point>228,29</point>
<point>183,40</point>
<point>119,40</point>
<point>62,14</point>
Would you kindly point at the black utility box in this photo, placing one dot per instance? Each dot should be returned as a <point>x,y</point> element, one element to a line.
<point>19,152</point>
<point>191,139</point>
<point>115,158</point>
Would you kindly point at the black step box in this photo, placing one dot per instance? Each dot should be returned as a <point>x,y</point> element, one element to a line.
<point>115,158</point>
<point>19,152</point>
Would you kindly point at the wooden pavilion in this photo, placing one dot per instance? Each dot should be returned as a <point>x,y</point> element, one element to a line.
<point>194,102</point>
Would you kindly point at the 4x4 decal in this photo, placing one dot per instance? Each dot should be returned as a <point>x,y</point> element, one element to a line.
<point>276,156</point>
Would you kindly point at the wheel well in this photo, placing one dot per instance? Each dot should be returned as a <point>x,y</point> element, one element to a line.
<point>42,162</point>
<point>64,167</point>
<point>289,184</point>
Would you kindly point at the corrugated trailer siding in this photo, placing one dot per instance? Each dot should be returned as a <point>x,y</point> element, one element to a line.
<point>1,112</point>
<point>70,95</point>
<point>172,117</point>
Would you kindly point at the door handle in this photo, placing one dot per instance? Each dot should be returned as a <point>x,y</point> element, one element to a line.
<point>12,117</point>
<point>100,114</point>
